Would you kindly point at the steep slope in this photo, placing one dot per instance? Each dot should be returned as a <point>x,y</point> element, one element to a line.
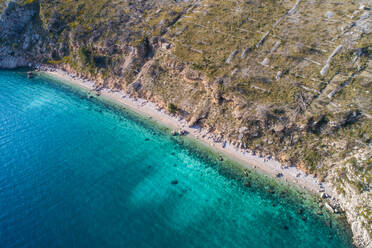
<point>288,78</point>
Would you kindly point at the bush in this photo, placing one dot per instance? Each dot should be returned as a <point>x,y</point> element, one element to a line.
<point>311,159</point>
<point>172,108</point>
<point>85,55</point>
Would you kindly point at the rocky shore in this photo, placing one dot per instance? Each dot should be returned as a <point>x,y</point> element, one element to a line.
<point>246,157</point>
<point>261,162</point>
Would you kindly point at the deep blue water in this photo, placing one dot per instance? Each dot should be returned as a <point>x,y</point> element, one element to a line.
<point>75,172</point>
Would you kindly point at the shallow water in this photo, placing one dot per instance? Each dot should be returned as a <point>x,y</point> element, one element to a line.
<point>75,172</point>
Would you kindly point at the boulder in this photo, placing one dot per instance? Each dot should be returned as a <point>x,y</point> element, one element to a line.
<point>165,46</point>
<point>136,85</point>
<point>324,195</point>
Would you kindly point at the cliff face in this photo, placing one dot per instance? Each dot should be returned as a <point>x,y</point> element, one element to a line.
<point>17,34</point>
<point>287,78</point>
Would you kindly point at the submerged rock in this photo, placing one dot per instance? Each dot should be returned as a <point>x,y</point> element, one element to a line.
<point>247,184</point>
<point>278,175</point>
<point>30,74</point>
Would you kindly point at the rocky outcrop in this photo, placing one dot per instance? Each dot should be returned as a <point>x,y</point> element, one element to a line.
<point>17,34</point>
<point>358,221</point>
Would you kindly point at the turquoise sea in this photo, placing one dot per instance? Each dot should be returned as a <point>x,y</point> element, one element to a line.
<point>80,172</point>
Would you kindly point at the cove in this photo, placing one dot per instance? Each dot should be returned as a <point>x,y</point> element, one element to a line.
<point>78,172</point>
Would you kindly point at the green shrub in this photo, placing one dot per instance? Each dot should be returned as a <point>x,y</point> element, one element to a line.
<point>311,159</point>
<point>85,55</point>
<point>172,108</point>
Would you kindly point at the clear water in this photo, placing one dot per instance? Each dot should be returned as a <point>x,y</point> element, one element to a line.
<point>75,172</point>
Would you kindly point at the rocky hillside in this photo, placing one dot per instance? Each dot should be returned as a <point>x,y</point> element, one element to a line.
<point>289,78</point>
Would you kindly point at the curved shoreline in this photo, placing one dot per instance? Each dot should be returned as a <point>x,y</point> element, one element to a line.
<point>244,157</point>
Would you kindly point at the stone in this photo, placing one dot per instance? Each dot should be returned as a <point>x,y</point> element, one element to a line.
<point>329,223</point>
<point>30,74</point>
<point>231,57</point>
<point>244,53</point>
<point>278,75</point>
<point>166,46</point>
<point>183,132</point>
<point>363,7</point>
<point>275,47</point>
<point>260,43</point>
<point>324,195</point>
<point>329,14</point>
<point>243,130</point>
<point>265,62</point>
<point>334,53</point>
<point>219,81</point>
<point>136,85</point>
<point>329,207</point>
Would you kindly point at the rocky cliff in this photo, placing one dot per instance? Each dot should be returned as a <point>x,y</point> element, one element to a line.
<point>288,78</point>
